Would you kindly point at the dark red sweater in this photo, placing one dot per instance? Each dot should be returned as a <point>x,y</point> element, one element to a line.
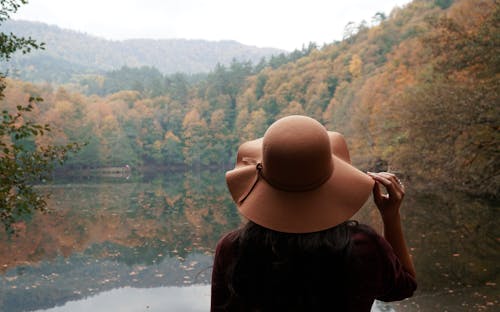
<point>377,270</point>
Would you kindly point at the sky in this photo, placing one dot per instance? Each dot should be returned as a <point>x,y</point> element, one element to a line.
<point>283,24</point>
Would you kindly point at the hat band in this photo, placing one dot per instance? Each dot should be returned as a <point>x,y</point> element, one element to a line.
<point>280,186</point>
<point>288,188</point>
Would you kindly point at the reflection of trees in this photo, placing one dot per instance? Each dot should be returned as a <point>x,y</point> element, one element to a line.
<point>173,216</point>
<point>142,234</point>
<point>169,216</point>
<point>207,207</point>
<point>455,240</point>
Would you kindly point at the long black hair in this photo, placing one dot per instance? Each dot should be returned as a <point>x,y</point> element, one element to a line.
<point>275,271</point>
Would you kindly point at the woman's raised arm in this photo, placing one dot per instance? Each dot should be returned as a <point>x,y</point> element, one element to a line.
<point>389,205</point>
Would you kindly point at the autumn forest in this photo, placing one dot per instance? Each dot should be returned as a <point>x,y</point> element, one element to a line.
<point>414,92</point>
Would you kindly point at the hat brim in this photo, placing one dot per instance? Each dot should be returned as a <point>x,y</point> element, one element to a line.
<point>330,204</point>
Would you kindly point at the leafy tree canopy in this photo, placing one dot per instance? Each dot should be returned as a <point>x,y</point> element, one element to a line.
<point>22,162</point>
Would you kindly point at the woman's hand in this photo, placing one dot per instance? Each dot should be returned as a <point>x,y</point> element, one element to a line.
<point>388,204</point>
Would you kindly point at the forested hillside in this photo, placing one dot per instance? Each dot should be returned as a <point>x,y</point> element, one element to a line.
<point>416,94</point>
<point>70,54</point>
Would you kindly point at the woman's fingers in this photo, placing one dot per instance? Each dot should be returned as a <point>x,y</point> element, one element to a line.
<point>377,194</point>
<point>388,204</point>
<point>398,186</point>
<point>380,178</point>
<point>392,184</point>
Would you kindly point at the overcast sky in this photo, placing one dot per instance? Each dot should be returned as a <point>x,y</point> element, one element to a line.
<point>285,24</point>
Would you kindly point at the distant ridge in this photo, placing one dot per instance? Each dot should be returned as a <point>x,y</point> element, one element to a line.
<point>70,53</point>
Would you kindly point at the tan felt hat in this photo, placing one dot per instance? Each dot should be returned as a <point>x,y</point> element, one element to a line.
<point>297,178</point>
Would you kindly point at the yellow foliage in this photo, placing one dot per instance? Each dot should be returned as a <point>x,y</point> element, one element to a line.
<point>157,145</point>
<point>355,66</point>
<point>169,135</point>
<point>193,116</point>
<point>63,106</point>
<point>294,108</point>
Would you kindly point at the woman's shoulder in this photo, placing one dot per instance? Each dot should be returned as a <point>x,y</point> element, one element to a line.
<point>229,237</point>
<point>227,242</point>
<point>366,241</point>
<point>365,232</point>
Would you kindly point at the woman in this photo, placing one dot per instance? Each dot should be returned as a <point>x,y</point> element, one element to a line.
<point>299,251</point>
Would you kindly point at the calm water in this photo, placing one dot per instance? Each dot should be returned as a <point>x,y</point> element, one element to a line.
<point>146,244</point>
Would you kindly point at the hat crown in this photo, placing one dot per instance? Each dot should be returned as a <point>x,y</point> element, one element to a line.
<point>297,155</point>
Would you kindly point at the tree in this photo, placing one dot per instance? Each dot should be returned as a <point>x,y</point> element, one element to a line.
<point>259,87</point>
<point>378,18</point>
<point>194,129</point>
<point>444,4</point>
<point>294,108</point>
<point>11,43</point>
<point>22,163</point>
<point>453,117</point>
<point>172,149</point>
<point>355,66</point>
<point>350,29</point>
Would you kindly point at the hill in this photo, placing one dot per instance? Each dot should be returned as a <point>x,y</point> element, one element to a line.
<point>415,94</point>
<point>70,53</point>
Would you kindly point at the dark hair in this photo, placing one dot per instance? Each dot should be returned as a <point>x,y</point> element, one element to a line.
<point>275,271</point>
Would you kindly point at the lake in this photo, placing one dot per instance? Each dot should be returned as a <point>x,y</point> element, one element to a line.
<point>146,243</point>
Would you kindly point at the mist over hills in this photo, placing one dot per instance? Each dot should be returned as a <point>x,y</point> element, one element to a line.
<point>68,53</point>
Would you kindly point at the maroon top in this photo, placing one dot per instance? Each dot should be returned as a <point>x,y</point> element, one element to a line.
<point>378,270</point>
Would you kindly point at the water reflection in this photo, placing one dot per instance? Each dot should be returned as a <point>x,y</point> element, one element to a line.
<point>106,234</point>
<point>194,298</point>
<point>153,237</point>
<point>454,240</point>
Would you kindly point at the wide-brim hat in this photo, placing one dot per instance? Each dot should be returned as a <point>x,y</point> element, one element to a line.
<point>297,178</point>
